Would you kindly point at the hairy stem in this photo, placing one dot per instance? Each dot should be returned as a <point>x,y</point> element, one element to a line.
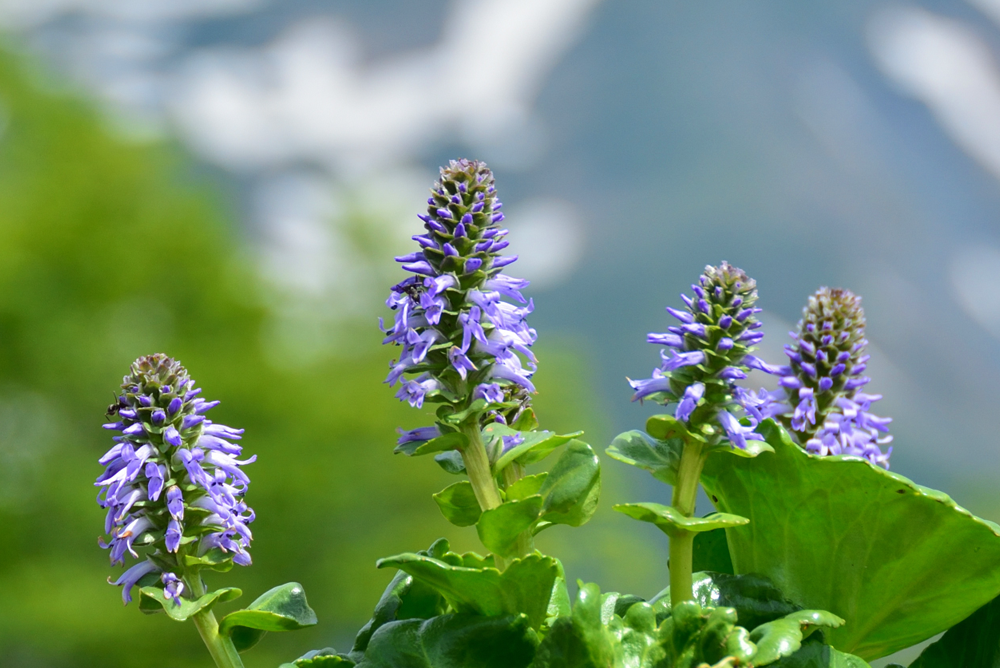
<point>220,647</point>
<point>477,467</point>
<point>682,542</point>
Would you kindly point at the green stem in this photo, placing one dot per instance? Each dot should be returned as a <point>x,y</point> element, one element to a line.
<point>682,542</point>
<point>477,467</point>
<point>525,542</point>
<point>220,647</point>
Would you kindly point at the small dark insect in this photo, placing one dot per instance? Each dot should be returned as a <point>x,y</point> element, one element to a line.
<point>112,408</point>
<point>413,291</point>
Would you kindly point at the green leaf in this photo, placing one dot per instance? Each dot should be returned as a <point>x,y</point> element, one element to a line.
<point>559,605</point>
<point>907,561</point>
<point>573,486</point>
<point>637,448</point>
<point>282,608</point>
<point>215,559</point>
<point>476,407</point>
<point>458,504</point>
<point>535,447</point>
<point>451,441</point>
<point>525,587</point>
<point>665,427</point>
<point>525,487</point>
<point>815,654</point>
<point>453,641</point>
<point>711,552</point>
<point>753,449</point>
<point>670,521</point>
<point>500,527</point>
<point>404,598</point>
<point>784,636</point>
<point>754,597</point>
<point>187,607</point>
<point>526,421</point>
<point>580,641</point>
<point>320,658</point>
<point>974,643</point>
<point>451,462</point>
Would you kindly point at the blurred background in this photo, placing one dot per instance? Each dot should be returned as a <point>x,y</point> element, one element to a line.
<point>227,180</point>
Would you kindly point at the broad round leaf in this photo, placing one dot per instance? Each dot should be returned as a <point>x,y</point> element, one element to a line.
<point>711,552</point>
<point>975,643</point>
<point>907,562</point>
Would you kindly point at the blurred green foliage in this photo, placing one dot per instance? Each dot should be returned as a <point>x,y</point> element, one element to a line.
<point>111,249</point>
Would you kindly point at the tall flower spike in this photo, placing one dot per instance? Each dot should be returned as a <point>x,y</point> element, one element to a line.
<point>823,404</point>
<point>460,322</point>
<point>172,482</point>
<point>708,352</point>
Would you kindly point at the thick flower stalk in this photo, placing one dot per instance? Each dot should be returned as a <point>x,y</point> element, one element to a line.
<point>706,353</point>
<point>172,483</point>
<point>460,321</point>
<point>820,400</point>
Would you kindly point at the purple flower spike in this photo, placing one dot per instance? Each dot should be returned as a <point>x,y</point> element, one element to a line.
<point>828,415</point>
<point>462,337</point>
<point>705,363</point>
<point>138,470</point>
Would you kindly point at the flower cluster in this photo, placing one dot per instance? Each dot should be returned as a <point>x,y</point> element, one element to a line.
<point>172,481</point>
<point>708,352</point>
<point>820,400</point>
<point>460,340</point>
